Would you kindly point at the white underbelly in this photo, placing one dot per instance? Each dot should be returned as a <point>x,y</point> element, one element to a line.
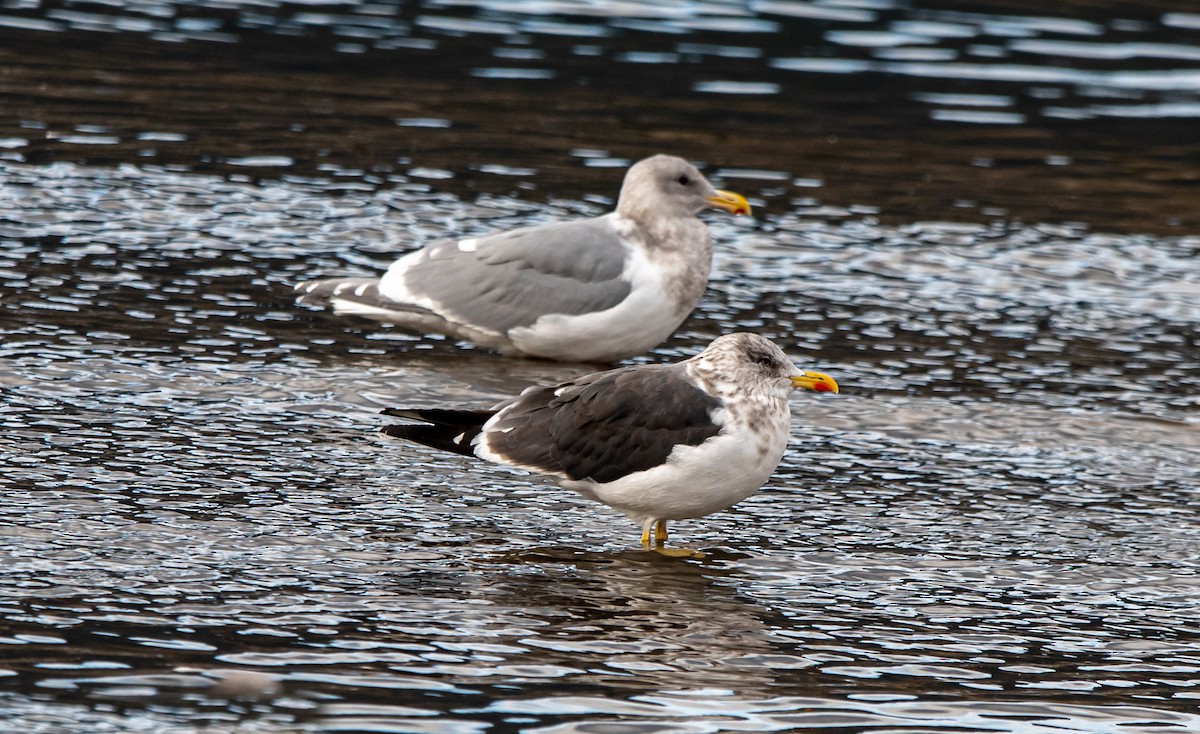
<point>695,481</point>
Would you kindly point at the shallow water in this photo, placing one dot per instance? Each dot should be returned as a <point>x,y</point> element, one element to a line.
<point>993,527</point>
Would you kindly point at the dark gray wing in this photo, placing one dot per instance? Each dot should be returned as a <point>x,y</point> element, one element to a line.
<point>605,426</point>
<point>509,280</point>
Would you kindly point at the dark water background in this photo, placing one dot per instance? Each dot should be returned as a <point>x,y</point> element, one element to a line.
<point>979,216</point>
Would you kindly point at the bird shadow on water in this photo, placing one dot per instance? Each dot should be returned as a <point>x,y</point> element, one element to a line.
<point>678,623</point>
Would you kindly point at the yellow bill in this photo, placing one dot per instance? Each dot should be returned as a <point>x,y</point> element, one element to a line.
<point>730,202</point>
<point>815,381</point>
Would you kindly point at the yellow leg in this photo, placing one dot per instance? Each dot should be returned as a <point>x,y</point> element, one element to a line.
<point>660,539</point>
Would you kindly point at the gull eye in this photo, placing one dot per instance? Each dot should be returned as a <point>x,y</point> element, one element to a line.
<point>764,359</point>
<point>684,180</point>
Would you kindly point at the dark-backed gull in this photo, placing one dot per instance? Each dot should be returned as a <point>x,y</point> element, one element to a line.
<point>590,290</point>
<point>655,442</point>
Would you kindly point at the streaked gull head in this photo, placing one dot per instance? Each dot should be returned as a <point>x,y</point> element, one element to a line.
<point>745,363</point>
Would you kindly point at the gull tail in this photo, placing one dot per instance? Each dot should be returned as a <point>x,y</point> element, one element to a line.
<point>448,430</point>
<point>358,297</point>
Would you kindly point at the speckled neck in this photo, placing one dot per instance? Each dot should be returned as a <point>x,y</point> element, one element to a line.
<point>682,247</point>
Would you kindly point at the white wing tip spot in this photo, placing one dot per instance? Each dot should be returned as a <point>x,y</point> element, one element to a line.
<point>468,245</point>
<point>361,289</point>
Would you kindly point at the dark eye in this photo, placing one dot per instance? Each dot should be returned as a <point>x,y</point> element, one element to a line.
<point>764,359</point>
<point>684,179</point>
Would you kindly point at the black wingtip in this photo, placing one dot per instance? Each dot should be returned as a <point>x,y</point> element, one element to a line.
<point>440,428</point>
<point>455,439</point>
<point>403,430</point>
<point>442,416</point>
<point>403,413</point>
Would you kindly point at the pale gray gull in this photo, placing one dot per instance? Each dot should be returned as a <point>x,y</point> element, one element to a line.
<point>655,442</point>
<point>589,290</point>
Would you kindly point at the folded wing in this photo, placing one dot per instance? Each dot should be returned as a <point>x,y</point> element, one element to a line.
<point>604,426</point>
<point>511,280</point>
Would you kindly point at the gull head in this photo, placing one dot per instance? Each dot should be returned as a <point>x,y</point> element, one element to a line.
<point>754,363</point>
<point>667,186</point>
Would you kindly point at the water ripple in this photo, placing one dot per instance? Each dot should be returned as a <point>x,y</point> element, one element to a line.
<point>979,515</point>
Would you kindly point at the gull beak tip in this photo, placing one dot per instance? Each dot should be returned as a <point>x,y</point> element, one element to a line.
<point>735,204</point>
<point>815,381</point>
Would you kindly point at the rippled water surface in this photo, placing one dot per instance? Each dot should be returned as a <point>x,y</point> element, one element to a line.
<point>980,217</point>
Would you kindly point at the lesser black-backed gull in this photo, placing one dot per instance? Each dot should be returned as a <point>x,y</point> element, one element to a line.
<point>590,290</point>
<point>655,442</point>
